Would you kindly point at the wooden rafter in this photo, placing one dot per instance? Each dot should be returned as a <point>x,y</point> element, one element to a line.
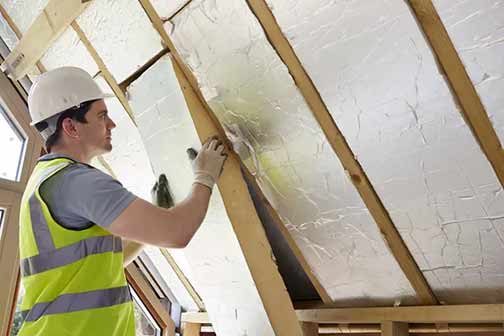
<point>420,314</point>
<point>462,87</point>
<point>343,151</point>
<point>104,71</point>
<point>245,221</point>
<point>158,25</point>
<point>47,27</point>
<point>18,33</point>
<point>187,284</point>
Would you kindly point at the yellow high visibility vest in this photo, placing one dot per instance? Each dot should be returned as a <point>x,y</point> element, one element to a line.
<point>74,280</point>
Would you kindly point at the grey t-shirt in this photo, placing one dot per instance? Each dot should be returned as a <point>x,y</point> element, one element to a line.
<point>80,195</point>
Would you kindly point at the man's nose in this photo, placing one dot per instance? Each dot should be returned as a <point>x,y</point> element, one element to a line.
<point>111,124</point>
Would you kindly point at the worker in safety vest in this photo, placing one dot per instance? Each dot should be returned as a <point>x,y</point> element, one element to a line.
<point>73,216</point>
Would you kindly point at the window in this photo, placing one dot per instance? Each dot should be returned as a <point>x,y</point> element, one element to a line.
<point>12,144</point>
<point>18,319</point>
<point>144,322</point>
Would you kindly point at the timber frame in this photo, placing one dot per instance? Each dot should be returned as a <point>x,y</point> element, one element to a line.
<point>392,321</point>
<point>10,199</point>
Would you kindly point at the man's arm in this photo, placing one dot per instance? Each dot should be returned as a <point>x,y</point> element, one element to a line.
<point>131,250</point>
<point>174,227</point>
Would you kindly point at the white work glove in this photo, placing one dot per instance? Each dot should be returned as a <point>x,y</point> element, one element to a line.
<point>208,163</point>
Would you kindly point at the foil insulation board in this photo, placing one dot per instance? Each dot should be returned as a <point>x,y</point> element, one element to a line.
<point>128,159</point>
<point>476,28</point>
<point>213,261</point>
<point>379,79</point>
<point>121,33</point>
<point>166,9</point>
<point>23,12</point>
<point>252,94</point>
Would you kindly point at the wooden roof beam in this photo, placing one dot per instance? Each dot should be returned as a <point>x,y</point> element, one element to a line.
<point>462,87</point>
<point>47,27</point>
<point>342,149</point>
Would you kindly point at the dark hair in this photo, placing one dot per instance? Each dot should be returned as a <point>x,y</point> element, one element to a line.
<point>77,113</point>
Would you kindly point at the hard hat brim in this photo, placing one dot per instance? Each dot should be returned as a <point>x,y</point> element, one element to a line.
<point>103,96</point>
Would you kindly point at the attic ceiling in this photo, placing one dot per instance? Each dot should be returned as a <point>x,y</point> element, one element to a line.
<point>378,77</point>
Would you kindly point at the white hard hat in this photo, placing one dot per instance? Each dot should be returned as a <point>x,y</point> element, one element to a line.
<point>60,89</point>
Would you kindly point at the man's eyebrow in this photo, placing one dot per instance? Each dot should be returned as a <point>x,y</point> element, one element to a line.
<point>103,112</point>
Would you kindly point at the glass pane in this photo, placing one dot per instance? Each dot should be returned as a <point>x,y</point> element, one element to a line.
<point>13,146</point>
<point>144,322</point>
<point>18,319</point>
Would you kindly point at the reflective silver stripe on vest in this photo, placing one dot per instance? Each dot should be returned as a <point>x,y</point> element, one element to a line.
<point>67,303</point>
<point>40,228</point>
<point>69,254</point>
<point>41,233</point>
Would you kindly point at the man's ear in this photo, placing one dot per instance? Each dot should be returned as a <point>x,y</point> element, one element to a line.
<point>69,128</point>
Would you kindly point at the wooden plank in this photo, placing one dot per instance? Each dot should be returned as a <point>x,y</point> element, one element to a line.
<point>104,71</point>
<point>419,314</point>
<point>158,25</point>
<point>192,329</point>
<point>150,299</point>
<point>463,89</point>
<point>342,149</point>
<point>18,33</point>
<point>195,317</point>
<point>246,224</point>
<point>310,328</point>
<point>187,284</point>
<point>390,328</point>
<point>47,27</point>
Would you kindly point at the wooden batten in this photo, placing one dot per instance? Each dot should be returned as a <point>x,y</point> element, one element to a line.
<point>47,27</point>
<point>462,87</point>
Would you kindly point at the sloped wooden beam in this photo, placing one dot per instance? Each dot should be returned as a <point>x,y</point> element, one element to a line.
<point>18,33</point>
<point>187,284</point>
<point>47,27</point>
<point>150,299</point>
<point>158,25</point>
<point>390,328</point>
<point>246,224</point>
<point>462,87</point>
<point>109,78</point>
<point>419,314</point>
<point>343,151</point>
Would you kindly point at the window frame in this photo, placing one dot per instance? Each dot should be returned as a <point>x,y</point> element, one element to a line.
<point>10,199</point>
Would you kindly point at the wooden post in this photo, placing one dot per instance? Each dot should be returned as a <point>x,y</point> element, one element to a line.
<point>390,328</point>
<point>192,329</point>
<point>310,328</point>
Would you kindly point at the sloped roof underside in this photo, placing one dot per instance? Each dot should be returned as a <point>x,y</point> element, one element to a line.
<point>395,109</point>
<point>379,79</point>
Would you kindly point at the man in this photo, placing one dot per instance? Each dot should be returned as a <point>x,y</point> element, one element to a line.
<point>73,215</point>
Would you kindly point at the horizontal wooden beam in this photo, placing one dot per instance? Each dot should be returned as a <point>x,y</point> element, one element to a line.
<point>418,314</point>
<point>462,87</point>
<point>47,27</point>
<point>343,151</point>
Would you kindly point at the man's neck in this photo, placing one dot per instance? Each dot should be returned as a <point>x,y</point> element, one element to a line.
<point>76,155</point>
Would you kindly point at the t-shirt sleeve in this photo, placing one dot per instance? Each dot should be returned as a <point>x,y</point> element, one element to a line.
<point>81,193</point>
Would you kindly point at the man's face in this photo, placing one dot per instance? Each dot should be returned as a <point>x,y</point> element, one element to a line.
<point>96,134</point>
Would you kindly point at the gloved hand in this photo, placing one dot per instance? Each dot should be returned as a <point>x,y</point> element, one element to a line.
<point>208,163</point>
